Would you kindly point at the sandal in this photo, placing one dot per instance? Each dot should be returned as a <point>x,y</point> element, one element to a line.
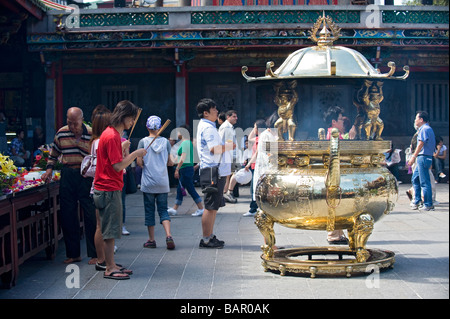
<point>150,244</point>
<point>102,266</point>
<point>126,271</point>
<point>341,241</point>
<point>114,274</point>
<point>72,260</point>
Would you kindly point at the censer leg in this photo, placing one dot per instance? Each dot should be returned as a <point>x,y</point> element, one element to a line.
<point>351,238</point>
<point>362,229</point>
<point>265,225</point>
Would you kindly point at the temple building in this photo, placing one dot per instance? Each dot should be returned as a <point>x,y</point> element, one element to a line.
<point>166,55</point>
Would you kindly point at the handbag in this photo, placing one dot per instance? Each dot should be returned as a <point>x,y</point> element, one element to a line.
<point>87,168</point>
<point>89,164</point>
<point>209,177</point>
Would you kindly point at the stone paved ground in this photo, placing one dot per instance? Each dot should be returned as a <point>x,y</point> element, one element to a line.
<point>419,240</point>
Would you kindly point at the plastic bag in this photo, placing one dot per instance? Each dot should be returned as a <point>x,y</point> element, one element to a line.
<point>243,177</point>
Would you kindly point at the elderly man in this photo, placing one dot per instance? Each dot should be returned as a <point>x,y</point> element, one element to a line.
<point>72,143</point>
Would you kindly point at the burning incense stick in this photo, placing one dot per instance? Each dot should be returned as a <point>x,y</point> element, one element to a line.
<point>135,121</point>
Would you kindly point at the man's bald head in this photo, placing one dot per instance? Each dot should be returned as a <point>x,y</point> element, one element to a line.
<point>75,113</point>
<point>75,120</point>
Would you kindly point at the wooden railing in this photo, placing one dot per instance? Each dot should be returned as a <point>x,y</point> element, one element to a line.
<point>28,225</point>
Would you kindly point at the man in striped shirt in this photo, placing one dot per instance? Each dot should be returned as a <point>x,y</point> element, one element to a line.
<point>71,144</point>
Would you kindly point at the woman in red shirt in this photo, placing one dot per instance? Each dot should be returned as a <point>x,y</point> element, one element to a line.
<point>108,182</point>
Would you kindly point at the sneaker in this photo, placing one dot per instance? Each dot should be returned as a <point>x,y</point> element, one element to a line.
<point>229,198</point>
<point>442,175</point>
<point>216,239</point>
<point>417,206</point>
<point>249,214</point>
<point>170,243</point>
<point>150,244</point>
<point>198,212</point>
<point>172,211</point>
<point>125,231</point>
<point>427,208</point>
<point>435,202</point>
<point>212,243</point>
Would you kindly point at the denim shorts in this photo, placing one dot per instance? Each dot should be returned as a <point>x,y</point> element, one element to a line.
<point>158,200</point>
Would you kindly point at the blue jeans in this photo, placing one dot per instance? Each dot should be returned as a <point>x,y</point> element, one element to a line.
<point>421,181</point>
<point>439,165</point>
<point>187,181</point>
<point>149,206</point>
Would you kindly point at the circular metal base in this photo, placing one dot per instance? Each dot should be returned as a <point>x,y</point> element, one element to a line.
<point>327,261</point>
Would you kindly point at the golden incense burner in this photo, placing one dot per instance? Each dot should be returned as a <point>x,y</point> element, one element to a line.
<point>321,184</point>
<point>326,185</point>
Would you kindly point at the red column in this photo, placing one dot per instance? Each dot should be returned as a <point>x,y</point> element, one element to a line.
<point>59,107</point>
<point>182,73</point>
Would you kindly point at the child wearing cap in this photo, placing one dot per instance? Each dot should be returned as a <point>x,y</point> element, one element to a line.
<point>155,181</point>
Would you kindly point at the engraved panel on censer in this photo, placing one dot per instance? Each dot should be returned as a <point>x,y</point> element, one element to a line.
<point>303,195</point>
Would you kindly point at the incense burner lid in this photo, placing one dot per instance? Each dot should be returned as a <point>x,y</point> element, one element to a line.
<point>325,60</point>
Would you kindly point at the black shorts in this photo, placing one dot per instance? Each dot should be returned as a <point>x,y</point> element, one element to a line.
<point>213,201</point>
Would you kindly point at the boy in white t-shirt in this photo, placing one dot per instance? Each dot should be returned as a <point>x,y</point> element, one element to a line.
<point>210,149</point>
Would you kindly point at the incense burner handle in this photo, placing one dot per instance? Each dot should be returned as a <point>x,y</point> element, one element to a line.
<point>333,180</point>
